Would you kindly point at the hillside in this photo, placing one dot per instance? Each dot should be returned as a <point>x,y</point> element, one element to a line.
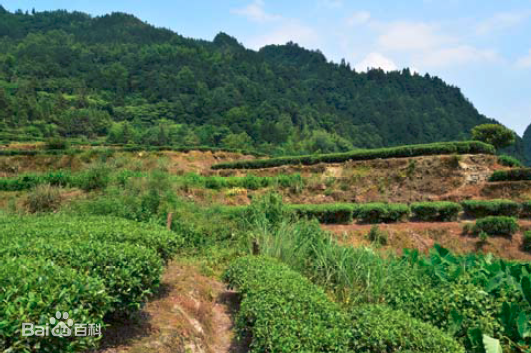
<point>117,78</point>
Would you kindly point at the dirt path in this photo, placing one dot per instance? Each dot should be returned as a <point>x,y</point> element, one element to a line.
<point>423,235</point>
<point>192,313</point>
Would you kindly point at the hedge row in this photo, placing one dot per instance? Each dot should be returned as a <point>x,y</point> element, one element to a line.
<point>481,208</point>
<point>509,161</point>
<point>91,179</point>
<point>515,174</point>
<point>87,266</point>
<point>33,290</point>
<point>92,228</point>
<point>338,213</point>
<point>284,312</point>
<point>496,225</point>
<point>436,211</point>
<point>124,148</point>
<point>37,152</point>
<point>465,147</point>
<point>344,213</point>
<point>443,211</point>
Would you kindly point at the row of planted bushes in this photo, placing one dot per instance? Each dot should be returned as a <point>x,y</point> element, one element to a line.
<point>66,150</point>
<point>99,177</point>
<point>515,174</point>
<point>344,213</point>
<point>464,147</point>
<point>250,182</point>
<point>442,211</point>
<point>284,312</point>
<point>93,178</point>
<point>90,267</point>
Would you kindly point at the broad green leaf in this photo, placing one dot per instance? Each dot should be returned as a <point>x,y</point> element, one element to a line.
<point>492,345</point>
<point>523,327</point>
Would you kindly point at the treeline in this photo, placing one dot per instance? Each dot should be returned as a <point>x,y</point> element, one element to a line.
<point>118,79</point>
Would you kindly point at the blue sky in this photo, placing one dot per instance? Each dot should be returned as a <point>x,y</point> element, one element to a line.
<point>483,47</point>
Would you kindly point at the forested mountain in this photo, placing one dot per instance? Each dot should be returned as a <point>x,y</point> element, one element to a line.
<point>527,143</point>
<point>117,78</point>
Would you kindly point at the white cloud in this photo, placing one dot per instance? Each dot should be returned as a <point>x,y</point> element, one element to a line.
<point>288,31</point>
<point>255,12</point>
<point>502,21</point>
<point>407,36</point>
<point>359,18</point>
<point>428,46</point>
<point>376,60</point>
<point>457,55</point>
<point>525,61</point>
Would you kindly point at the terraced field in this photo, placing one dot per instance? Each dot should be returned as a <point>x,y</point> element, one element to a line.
<point>409,249</point>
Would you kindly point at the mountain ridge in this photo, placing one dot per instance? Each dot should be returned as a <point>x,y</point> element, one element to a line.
<point>117,77</point>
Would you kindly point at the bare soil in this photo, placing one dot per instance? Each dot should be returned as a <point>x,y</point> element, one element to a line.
<point>192,313</point>
<point>423,235</point>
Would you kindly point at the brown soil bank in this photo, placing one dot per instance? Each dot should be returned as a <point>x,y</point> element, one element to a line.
<point>428,178</point>
<point>423,235</point>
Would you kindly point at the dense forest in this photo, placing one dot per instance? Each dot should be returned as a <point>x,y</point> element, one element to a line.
<point>117,79</point>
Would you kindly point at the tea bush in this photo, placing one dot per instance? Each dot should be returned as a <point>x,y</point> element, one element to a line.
<point>526,209</point>
<point>379,328</point>
<point>436,211</point>
<point>480,208</point>
<point>94,228</point>
<point>515,174</point>
<point>129,272</point>
<point>381,212</point>
<point>527,240</point>
<point>463,147</point>
<point>338,213</point>
<point>32,290</point>
<point>284,312</point>
<point>496,225</point>
<point>509,161</point>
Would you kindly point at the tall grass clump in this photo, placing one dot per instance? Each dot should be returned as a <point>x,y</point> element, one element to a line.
<point>44,198</point>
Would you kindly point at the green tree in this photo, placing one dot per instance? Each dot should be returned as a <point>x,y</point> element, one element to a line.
<point>497,135</point>
<point>237,141</point>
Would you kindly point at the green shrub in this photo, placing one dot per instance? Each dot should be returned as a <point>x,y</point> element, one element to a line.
<point>326,213</point>
<point>526,209</point>
<point>93,228</point>
<point>129,272</point>
<point>381,212</point>
<point>527,240</point>
<point>515,174</point>
<point>479,208</point>
<point>496,225</point>
<point>57,143</point>
<point>377,236</point>
<point>379,328</point>
<point>33,290</point>
<point>96,177</point>
<point>284,312</point>
<point>436,211</point>
<point>463,147</point>
<point>44,198</point>
<point>509,161</point>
